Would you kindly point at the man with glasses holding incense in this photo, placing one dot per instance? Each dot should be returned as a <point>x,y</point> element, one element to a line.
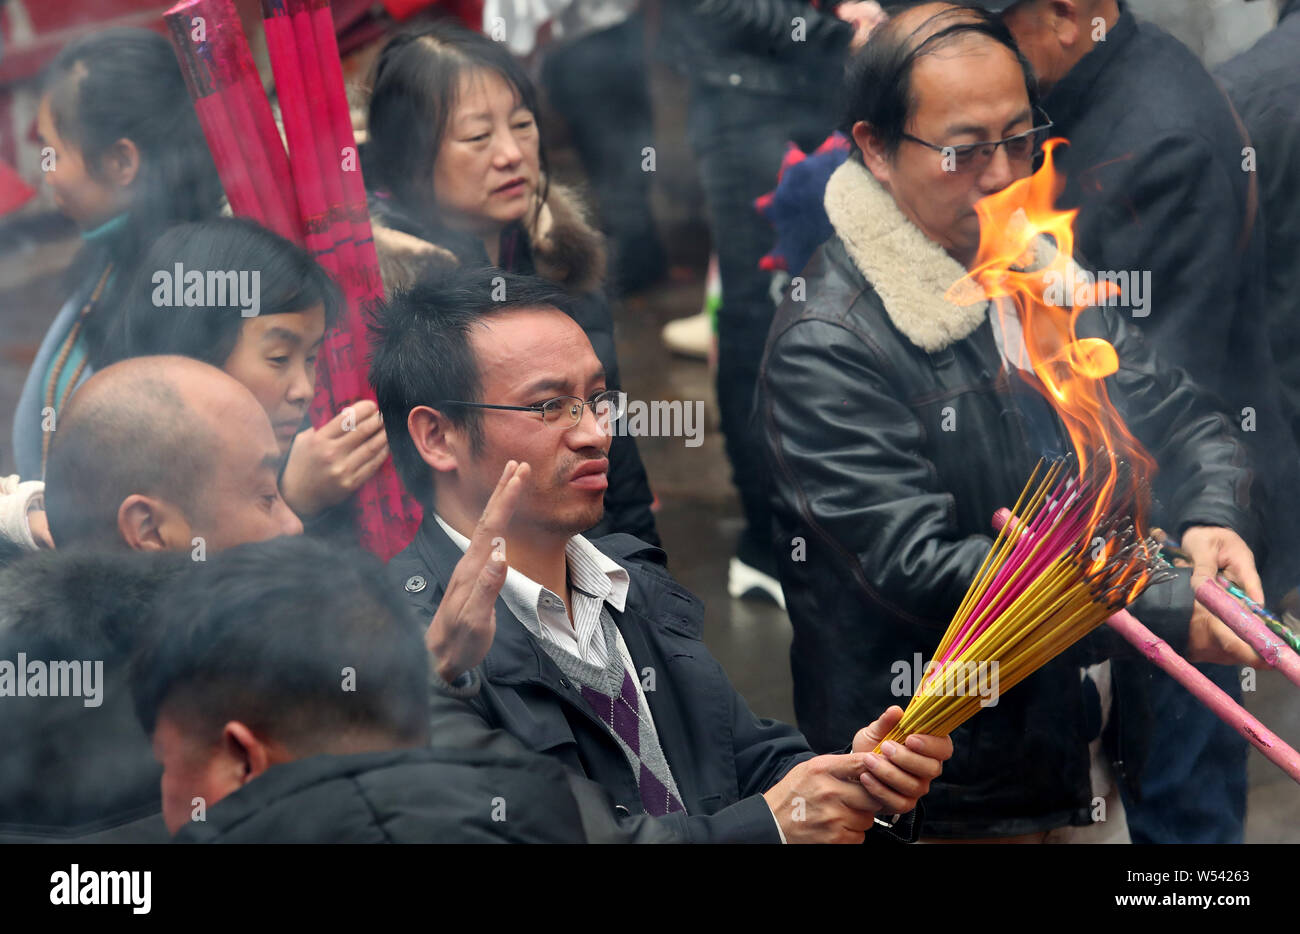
<point>593,651</point>
<point>1164,177</point>
<point>896,428</point>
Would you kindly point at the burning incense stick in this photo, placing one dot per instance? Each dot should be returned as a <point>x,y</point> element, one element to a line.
<point>1072,559</point>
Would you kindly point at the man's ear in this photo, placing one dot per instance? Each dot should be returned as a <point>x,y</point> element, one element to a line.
<point>120,164</point>
<point>147,523</point>
<point>434,437</point>
<point>249,755</point>
<point>873,153</point>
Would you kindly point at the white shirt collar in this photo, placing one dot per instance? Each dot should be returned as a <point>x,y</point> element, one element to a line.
<point>590,571</point>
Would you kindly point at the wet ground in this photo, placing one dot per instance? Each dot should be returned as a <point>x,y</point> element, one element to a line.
<point>698,513</point>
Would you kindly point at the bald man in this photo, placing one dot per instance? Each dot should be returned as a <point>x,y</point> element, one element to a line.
<point>164,453</point>
<point>155,454</point>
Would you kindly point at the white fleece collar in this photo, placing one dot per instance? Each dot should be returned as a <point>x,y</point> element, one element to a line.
<point>910,271</point>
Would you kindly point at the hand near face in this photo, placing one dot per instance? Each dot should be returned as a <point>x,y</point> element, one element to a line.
<point>330,463</point>
<point>463,627</point>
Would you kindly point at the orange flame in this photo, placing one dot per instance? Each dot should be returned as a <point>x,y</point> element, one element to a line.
<point>1027,278</point>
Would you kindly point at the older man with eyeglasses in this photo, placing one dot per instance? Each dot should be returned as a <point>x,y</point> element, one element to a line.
<point>500,422</point>
<point>896,427</point>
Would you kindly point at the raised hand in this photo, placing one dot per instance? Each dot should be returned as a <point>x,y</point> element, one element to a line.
<point>464,625</point>
<point>330,463</point>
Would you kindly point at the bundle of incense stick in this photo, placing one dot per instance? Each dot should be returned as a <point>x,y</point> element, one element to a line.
<point>314,195</point>
<point>1071,559</point>
<point>234,113</point>
<point>331,197</point>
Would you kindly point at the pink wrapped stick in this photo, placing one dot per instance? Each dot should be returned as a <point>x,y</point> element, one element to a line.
<point>1276,653</point>
<point>1157,651</point>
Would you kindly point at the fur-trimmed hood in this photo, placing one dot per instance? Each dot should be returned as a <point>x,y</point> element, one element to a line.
<point>87,601</point>
<point>79,768</point>
<point>909,271</point>
<point>566,247</point>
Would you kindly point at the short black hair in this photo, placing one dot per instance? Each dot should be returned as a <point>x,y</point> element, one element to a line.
<point>301,641</point>
<point>878,89</point>
<point>141,437</point>
<point>421,353</point>
<point>289,280</point>
<point>413,94</point>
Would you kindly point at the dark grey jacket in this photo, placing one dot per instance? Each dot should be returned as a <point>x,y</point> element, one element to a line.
<point>793,48</point>
<point>722,756</point>
<point>1155,166</point>
<point>1264,84</point>
<point>398,796</point>
<point>69,772</point>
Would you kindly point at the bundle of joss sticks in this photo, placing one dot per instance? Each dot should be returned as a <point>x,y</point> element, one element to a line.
<point>1071,560</point>
<point>1065,562</point>
<point>314,195</point>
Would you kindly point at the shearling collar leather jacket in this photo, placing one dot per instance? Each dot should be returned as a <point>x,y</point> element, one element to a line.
<point>893,432</point>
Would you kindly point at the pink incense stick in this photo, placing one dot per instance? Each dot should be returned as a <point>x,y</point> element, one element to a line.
<point>1276,653</point>
<point>1206,691</point>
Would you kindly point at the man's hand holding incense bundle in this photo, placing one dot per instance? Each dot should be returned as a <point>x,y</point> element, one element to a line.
<point>835,798</point>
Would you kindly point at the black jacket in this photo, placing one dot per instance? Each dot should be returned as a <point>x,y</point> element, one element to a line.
<point>398,796</point>
<point>722,756</point>
<point>69,772</point>
<point>72,773</point>
<point>1155,166</point>
<point>1264,84</point>
<point>757,46</point>
<point>883,516</point>
<point>560,245</point>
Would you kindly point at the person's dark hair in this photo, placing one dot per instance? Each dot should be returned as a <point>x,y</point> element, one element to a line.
<point>413,94</point>
<point>289,280</point>
<point>421,353</point>
<point>302,642</point>
<point>878,89</point>
<point>139,438</point>
<point>127,84</point>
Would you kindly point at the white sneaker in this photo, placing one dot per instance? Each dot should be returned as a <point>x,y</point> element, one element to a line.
<point>691,336</point>
<point>743,580</point>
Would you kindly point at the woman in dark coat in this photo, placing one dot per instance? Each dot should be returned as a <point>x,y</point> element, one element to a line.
<point>459,175</point>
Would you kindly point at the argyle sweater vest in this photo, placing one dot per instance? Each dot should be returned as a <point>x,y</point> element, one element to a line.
<point>611,694</point>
